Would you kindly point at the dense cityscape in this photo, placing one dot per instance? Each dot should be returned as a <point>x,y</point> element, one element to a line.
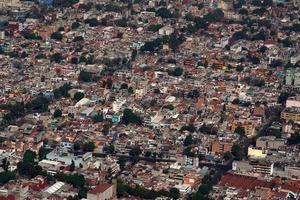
<point>159,99</point>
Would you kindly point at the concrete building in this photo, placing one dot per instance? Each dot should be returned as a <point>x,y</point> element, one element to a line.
<point>292,114</point>
<point>256,152</point>
<point>218,146</point>
<point>8,3</point>
<point>292,77</point>
<point>295,58</point>
<point>102,192</point>
<point>270,142</point>
<point>255,168</point>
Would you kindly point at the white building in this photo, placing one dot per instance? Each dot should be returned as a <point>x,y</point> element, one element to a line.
<point>117,105</point>
<point>166,30</point>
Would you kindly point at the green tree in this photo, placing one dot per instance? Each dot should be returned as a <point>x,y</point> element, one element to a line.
<point>121,22</point>
<point>191,128</point>
<point>148,153</point>
<point>78,96</point>
<point>135,151</point>
<point>29,156</point>
<point>43,152</point>
<point>57,113</point>
<point>130,118</point>
<point>122,162</point>
<point>78,39</point>
<point>110,149</point>
<point>56,57</point>
<point>76,146</point>
<point>72,166</point>
<point>188,152</point>
<point>178,71</point>
<point>240,131</point>
<point>188,140</point>
<point>89,147</point>
<point>174,193</point>
<point>156,91</point>
<point>164,13</point>
<point>237,151</point>
<point>169,107</point>
<point>6,176</point>
<point>5,164</point>
<point>56,36</point>
<point>98,118</point>
<point>75,25</point>
<point>227,156</point>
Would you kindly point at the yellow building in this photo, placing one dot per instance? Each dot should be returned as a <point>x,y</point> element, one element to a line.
<point>291,114</point>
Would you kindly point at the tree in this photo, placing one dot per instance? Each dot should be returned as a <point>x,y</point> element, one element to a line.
<point>130,90</point>
<point>124,86</point>
<point>239,68</point>
<point>29,156</point>
<point>6,176</point>
<point>131,118</point>
<point>105,129</point>
<point>110,149</point>
<point>237,151</point>
<point>148,153</point>
<point>89,147</point>
<point>122,162</point>
<point>178,71</point>
<point>78,96</point>
<point>174,193</point>
<point>5,164</point>
<point>193,94</point>
<point>76,146</point>
<point>156,91</point>
<point>98,118</point>
<point>56,57</point>
<point>154,27</point>
<point>169,107</point>
<point>56,36</point>
<point>164,13</point>
<point>78,39</point>
<point>74,60</point>
<point>188,152</point>
<point>75,25</point>
<point>135,151</point>
<point>191,128</point>
<point>43,152</point>
<point>57,113</point>
<point>72,166</point>
<point>38,104</point>
<point>188,140</point>
<point>121,22</point>
<point>227,156</point>
<point>240,131</point>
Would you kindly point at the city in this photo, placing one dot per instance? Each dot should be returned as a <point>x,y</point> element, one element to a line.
<point>139,99</point>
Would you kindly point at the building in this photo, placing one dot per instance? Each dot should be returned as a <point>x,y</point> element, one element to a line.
<point>292,114</point>
<point>219,146</point>
<point>255,168</point>
<point>295,58</point>
<point>293,102</point>
<point>292,78</point>
<point>255,152</point>
<point>102,192</point>
<point>8,3</point>
<point>166,30</point>
<point>270,142</point>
